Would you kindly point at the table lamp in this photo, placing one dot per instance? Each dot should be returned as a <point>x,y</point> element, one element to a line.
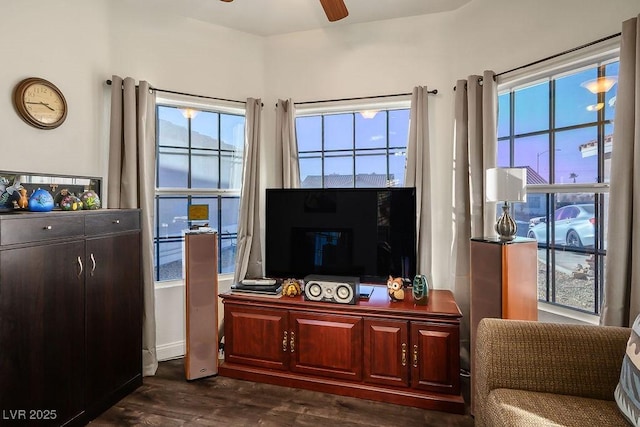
<point>506,185</point>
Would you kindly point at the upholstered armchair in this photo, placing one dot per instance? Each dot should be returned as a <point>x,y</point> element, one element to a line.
<point>542,374</point>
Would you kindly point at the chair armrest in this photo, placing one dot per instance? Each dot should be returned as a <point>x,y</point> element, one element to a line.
<point>579,360</point>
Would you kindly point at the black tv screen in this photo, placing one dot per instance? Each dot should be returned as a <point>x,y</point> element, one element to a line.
<point>364,232</point>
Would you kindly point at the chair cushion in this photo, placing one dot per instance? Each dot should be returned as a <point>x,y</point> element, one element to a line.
<point>627,393</point>
<point>510,408</point>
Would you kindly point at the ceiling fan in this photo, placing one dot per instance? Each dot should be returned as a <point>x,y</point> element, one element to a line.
<point>334,9</point>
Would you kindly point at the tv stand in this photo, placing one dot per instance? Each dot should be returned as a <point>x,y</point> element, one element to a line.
<point>394,352</point>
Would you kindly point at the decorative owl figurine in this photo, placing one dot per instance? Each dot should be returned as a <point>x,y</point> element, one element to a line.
<point>395,288</point>
<point>291,287</point>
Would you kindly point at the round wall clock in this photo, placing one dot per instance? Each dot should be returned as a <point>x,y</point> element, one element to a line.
<point>40,103</point>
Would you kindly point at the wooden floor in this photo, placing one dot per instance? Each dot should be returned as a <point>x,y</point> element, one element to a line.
<point>167,399</point>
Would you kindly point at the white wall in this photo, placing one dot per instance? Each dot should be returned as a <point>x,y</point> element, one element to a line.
<point>435,50</point>
<point>78,44</point>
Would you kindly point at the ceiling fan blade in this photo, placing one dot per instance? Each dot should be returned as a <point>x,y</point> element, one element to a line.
<point>335,9</point>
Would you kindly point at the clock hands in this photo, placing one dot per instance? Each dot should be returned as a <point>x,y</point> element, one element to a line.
<point>42,103</point>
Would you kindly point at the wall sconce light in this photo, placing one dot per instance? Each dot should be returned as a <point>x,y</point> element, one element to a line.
<point>599,85</point>
<point>506,185</point>
<point>189,113</point>
<point>595,107</point>
<point>368,114</point>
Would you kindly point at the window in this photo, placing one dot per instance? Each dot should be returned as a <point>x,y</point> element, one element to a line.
<point>199,162</point>
<point>353,149</point>
<point>560,128</point>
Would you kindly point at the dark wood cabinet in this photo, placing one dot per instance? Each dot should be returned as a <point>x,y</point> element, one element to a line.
<point>396,352</point>
<point>70,313</point>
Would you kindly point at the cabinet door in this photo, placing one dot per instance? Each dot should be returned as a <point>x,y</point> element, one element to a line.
<point>114,321</point>
<point>256,336</point>
<point>435,358</point>
<point>326,345</point>
<point>386,352</point>
<point>42,360</point>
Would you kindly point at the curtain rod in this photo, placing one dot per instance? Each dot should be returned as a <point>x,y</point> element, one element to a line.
<point>189,94</point>
<point>604,39</point>
<point>433,92</point>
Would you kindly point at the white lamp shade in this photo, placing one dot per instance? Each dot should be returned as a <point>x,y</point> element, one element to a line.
<point>506,185</point>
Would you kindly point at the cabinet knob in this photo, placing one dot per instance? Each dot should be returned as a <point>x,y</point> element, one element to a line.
<point>284,342</point>
<point>293,342</point>
<point>47,227</point>
<point>415,355</point>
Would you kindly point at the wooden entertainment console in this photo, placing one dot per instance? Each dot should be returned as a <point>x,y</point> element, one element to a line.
<point>395,352</point>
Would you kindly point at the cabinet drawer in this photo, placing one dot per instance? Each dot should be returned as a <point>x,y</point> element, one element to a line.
<point>115,221</point>
<point>42,228</point>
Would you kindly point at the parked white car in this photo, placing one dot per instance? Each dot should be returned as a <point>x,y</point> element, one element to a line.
<point>573,226</point>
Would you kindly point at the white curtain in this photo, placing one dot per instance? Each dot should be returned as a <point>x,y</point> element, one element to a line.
<point>418,174</point>
<point>621,302</point>
<point>131,184</point>
<point>249,247</point>
<point>286,145</point>
<point>475,151</point>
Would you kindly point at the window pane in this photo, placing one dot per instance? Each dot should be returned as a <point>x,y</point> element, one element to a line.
<point>231,174</point>
<point>608,145</point>
<point>533,151</point>
<point>230,210</point>
<point>371,171</point>
<point>577,156</point>
<point>204,130</point>
<point>504,154</point>
<point>169,262</point>
<point>173,128</point>
<point>204,169</point>
<point>309,133</point>
<point>398,128</point>
<point>574,280</point>
<point>310,172</point>
<point>397,165</point>
<point>212,203</point>
<point>532,108</point>
<point>610,97</point>
<point>227,256</point>
<point>173,167</point>
<point>172,216</point>
<point>371,132</point>
<point>338,131</point>
<point>504,111</point>
<point>232,132</point>
<point>575,104</point>
<point>338,172</point>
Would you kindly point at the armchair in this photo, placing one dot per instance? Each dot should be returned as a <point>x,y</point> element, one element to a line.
<point>542,374</point>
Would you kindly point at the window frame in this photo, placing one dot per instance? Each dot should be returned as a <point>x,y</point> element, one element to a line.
<point>599,57</point>
<point>323,109</point>
<point>203,104</point>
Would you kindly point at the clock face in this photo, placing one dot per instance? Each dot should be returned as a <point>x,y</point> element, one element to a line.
<point>40,103</point>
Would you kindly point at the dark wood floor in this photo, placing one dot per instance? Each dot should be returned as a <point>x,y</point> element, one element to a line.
<point>167,399</point>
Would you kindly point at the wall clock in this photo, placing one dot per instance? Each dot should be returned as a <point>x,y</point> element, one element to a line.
<point>40,103</point>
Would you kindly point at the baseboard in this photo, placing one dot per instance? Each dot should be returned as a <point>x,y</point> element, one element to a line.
<point>170,350</point>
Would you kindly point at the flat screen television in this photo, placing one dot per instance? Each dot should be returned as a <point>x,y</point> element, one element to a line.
<point>364,232</point>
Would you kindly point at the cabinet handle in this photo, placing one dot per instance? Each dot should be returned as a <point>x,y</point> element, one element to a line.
<point>47,227</point>
<point>415,355</point>
<point>81,268</point>
<point>284,342</point>
<point>93,264</point>
<point>404,354</point>
<point>293,342</point>
<point>116,221</point>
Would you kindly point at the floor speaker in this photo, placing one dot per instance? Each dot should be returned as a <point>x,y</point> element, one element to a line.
<point>201,283</point>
